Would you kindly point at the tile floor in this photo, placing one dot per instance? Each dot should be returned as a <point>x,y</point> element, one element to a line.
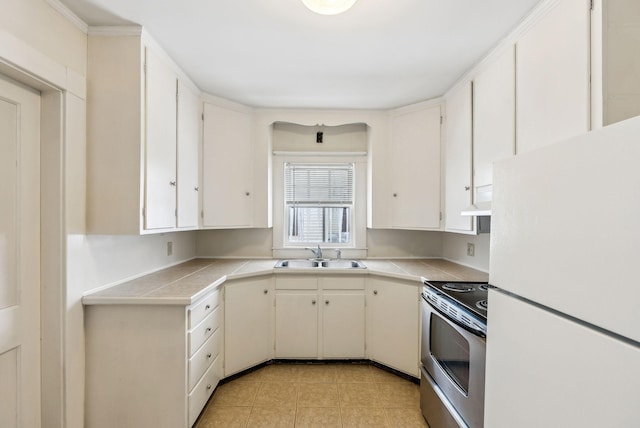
<point>315,395</point>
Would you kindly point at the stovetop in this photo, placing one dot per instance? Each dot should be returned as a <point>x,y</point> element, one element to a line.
<point>471,295</point>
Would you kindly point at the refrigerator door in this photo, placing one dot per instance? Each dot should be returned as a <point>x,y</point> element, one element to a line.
<point>566,227</point>
<point>544,370</point>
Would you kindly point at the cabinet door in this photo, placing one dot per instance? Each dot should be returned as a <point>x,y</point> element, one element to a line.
<point>160,148</point>
<point>297,324</point>
<point>415,171</point>
<point>227,168</point>
<point>553,72</point>
<point>343,325</point>
<point>494,104</point>
<point>248,323</point>
<point>188,161</point>
<point>458,142</point>
<point>393,324</point>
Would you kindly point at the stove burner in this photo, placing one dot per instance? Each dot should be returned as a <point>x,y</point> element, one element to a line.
<point>482,304</point>
<point>458,287</point>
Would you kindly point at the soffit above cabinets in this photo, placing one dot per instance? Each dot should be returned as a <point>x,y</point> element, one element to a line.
<point>278,54</point>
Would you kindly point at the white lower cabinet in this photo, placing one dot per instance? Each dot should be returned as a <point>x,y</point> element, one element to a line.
<point>248,323</point>
<point>320,317</point>
<point>152,365</point>
<point>393,324</point>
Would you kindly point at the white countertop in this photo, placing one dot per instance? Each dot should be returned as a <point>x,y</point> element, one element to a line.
<point>185,283</point>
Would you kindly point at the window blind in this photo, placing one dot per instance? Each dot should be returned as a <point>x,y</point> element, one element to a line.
<point>319,198</point>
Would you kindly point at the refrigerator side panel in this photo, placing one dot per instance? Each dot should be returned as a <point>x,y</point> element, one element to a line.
<point>566,227</point>
<point>544,370</point>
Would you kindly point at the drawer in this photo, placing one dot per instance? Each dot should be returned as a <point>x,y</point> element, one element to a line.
<point>202,359</point>
<point>343,282</point>
<point>203,390</point>
<point>204,330</point>
<point>297,282</point>
<point>202,308</point>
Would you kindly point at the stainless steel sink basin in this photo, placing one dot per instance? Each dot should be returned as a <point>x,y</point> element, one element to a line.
<point>320,263</point>
<point>343,264</point>
<point>298,264</point>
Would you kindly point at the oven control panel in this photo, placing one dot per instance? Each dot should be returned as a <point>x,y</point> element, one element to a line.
<point>454,310</point>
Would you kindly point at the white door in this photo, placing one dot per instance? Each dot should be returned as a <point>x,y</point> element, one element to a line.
<point>343,325</point>
<point>161,181</point>
<point>20,404</point>
<point>297,325</point>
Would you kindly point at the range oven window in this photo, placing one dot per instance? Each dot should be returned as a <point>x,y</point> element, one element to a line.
<point>451,350</point>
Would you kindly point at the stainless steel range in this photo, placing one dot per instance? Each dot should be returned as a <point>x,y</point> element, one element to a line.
<point>454,328</point>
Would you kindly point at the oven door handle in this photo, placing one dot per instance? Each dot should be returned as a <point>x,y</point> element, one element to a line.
<point>471,330</point>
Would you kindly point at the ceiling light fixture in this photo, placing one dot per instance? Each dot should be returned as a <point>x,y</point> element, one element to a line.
<point>329,7</point>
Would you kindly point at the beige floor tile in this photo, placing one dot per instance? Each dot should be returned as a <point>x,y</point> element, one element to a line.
<point>363,417</point>
<point>406,418</point>
<point>395,394</point>
<point>320,373</point>
<point>350,373</point>
<point>235,394</point>
<point>318,417</point>
<point>272,417</point>
<point>227,417</point>
<point>379,375</point>
<point>318,395</point>
<point>277,394</point>
<point>358,395</point>
<point>280,373</point>
<point>257,375</point>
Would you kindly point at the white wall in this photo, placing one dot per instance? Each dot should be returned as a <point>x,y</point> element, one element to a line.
<point>454,248</point>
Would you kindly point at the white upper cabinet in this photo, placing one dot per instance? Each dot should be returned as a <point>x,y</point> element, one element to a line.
<point>457,158</point>
<point>494,103</point>
<point>188,155</point>
<point>415,167</point>
<point>132,144</point>
<point>160,162</point>
<point>553,76</point>
<point>615,61</point>
<point>227,167</point>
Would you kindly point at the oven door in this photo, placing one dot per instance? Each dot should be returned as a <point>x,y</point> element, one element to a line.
<point>455,359</point>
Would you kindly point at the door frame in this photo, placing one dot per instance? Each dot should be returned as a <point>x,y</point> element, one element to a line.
<point>53,241</point>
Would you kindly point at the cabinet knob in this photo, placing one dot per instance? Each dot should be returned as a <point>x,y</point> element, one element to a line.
<point>375,292</point>
<point>208,387</point>
<point>208,330</point>
<point>206,308</point>
<point>395,195</point>
<point>467,188</point>
<point>196,188</point>
<point>266,291</point>
<point>173,183</point>
<point>209,355</point>
<point>326,302</point>
<point>247,193</point>
<point>313,302</point>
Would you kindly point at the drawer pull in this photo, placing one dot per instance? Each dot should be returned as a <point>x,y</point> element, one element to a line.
<point>209,355</point>
<point>266,291</point>
<point>313,302</point>
<point>206,308</point>
<point>208,330</point>
<point>375,292</point>
<point>326,302</point>
<point>208,387</point>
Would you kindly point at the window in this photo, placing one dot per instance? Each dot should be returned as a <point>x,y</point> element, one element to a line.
<point>319,202</point>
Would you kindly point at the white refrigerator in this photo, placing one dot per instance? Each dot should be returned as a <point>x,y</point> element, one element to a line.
<point>563,338</point>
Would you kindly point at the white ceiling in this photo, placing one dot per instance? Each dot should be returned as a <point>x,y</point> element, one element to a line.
<point>276,53</point>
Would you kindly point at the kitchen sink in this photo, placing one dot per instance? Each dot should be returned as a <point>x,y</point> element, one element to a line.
<point>320,263</point>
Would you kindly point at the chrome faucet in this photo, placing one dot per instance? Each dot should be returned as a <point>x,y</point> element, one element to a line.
<point>317,253</point>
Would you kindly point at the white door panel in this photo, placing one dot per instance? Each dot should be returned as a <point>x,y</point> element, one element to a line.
<point>20,403</point>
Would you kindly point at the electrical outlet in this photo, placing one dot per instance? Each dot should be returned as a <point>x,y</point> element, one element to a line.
<point>471,249</point>
<point>169,248</point>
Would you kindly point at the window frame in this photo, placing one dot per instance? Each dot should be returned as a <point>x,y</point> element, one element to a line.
<point>357,247</point>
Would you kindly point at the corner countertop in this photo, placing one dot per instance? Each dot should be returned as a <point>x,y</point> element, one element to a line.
<point>185,283</point>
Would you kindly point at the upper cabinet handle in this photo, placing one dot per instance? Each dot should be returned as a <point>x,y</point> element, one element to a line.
<point>196,188</point>
<point>173,183</point>
<point>467,188</point>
